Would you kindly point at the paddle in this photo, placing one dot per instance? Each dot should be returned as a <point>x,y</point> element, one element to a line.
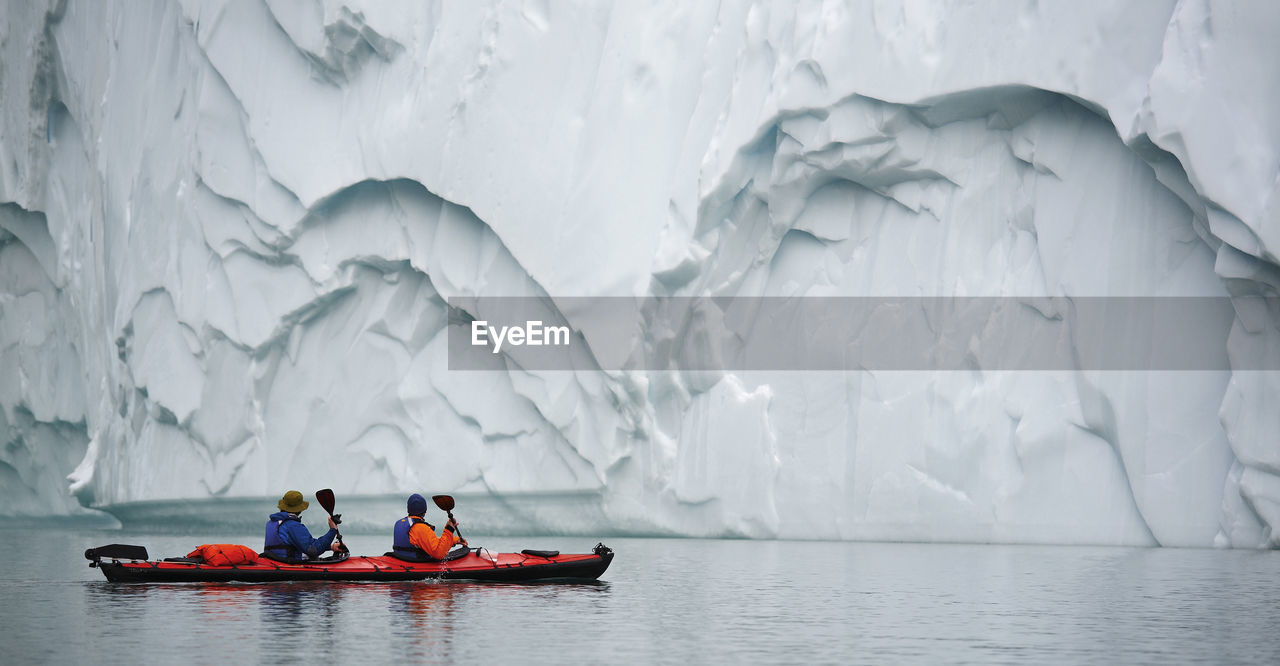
<point>326,500</point>
<point>445,502</point>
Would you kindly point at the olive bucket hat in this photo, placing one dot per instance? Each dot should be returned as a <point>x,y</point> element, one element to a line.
<point>292,502</point>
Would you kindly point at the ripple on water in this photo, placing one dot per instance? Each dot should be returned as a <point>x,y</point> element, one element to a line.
<point>671,601</point>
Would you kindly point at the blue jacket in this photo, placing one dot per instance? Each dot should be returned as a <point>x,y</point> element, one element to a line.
<point>288,538</point>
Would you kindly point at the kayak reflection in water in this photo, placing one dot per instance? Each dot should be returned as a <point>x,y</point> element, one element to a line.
<point>415,539</point>
<point>288,540</point>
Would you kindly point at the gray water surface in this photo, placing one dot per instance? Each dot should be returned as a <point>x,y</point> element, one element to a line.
<point>664,600</point>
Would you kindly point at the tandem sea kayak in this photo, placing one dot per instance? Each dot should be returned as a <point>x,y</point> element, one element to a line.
<point>122,563</point>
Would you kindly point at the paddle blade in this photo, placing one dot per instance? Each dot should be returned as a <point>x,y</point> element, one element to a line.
<point>445,502</point>
<point>325,498</point>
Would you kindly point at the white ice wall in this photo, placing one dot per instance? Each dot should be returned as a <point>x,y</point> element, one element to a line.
<point>247,215</point>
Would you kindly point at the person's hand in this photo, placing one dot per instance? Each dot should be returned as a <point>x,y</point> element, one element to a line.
<point>337,547</point>
<point>462,541</point>
<point>332,525</point>
<point>452,524</point>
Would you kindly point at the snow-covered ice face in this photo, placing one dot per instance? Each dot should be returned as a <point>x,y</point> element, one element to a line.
<point>232,232</point>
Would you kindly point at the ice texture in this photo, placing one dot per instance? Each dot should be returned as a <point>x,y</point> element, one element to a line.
<point>228,231</point>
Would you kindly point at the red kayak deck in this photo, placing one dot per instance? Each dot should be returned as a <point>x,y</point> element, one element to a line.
<point>482,565</point>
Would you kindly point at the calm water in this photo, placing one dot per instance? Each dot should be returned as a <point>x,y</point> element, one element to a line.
<point>671,601</point>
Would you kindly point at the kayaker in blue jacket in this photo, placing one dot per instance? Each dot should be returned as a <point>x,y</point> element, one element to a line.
<point>287,539</point>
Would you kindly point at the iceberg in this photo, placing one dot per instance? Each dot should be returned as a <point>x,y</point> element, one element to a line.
<point>233,235</point>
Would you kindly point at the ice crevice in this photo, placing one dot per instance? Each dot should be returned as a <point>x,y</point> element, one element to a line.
<point>348,40</point>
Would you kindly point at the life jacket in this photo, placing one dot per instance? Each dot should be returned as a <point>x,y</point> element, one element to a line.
<point>276,546</point>
<point>225,554</point>
<point>402,547</point>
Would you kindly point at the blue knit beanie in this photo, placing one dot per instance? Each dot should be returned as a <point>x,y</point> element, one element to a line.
<point>417,505</point>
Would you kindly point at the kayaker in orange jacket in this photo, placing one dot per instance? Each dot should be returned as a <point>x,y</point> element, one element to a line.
<point>415,539</point>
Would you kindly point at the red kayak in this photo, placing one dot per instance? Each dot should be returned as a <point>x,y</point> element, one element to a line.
<point>130,564</point>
